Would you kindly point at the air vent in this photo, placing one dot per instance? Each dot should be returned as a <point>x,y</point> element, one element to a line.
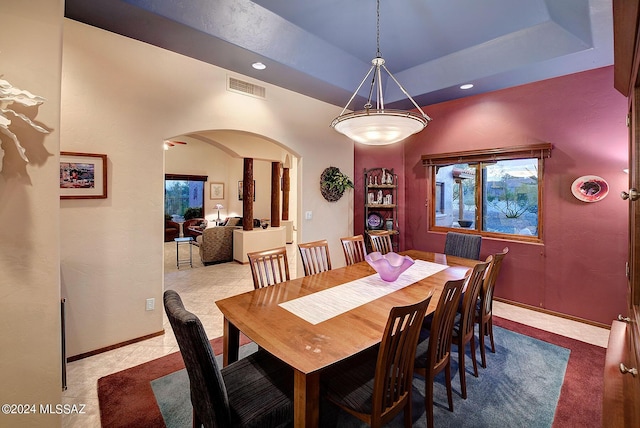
<point>242,87</point>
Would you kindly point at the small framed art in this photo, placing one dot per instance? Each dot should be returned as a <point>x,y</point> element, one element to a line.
<point>83,176</point>
<point>216,191</point>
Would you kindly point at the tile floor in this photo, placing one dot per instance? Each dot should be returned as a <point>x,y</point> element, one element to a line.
<point>199,288</point>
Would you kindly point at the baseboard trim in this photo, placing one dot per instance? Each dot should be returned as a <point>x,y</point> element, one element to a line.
<point>112,347</point>
<point>555,314</point>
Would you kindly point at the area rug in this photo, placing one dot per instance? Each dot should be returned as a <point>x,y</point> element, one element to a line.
<point>127,398</point>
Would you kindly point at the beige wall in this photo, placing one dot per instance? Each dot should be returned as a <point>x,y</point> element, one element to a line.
<point>122,98</point>
<point>30,358</point>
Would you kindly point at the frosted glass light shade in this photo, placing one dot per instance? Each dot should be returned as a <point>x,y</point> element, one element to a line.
<point>379,127</point>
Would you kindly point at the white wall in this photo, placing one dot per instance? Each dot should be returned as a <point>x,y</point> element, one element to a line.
<point>30,357</point>
<point>122,98</point>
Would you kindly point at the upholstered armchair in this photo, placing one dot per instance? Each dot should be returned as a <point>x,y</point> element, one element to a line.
<point>171,230</point>
<point>216,244</point>
<point>194,222</point>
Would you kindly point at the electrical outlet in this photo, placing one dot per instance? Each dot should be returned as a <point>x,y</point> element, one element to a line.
<point>151,304</point>
<point>308,215</point>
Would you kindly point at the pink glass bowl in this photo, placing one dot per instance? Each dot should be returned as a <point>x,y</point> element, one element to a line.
<point>390,265</point>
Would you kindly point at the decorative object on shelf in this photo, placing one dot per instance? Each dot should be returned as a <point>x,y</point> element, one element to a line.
<point>389,224</point>
<point>590,188</point>
<point>464,223</point>
<point>379,126</point>
<point>10,95</point>
<point>388,199</point>
<point>371,198</point>
<point>333,183</point>
<point>375,221</point>
<point>390,265</point>
<point>384,177</point>
<point>83,176</point>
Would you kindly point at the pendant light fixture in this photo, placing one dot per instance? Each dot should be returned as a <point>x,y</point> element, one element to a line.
<point>379,126</point>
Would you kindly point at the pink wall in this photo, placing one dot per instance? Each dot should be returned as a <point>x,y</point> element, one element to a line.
<point>579,270</point>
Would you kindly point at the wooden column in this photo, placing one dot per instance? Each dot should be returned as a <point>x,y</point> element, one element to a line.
<point>247,194</point>
<point>275,194</point>
<point>286,187</point>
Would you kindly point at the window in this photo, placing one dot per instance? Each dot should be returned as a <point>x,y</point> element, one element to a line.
<point>494,193</point>
<point>182,193</point>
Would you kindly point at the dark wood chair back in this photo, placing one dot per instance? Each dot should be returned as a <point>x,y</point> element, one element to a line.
<point>315,257</point>
<point>389,370</point>
<point>269,267</point>
<point>485,310</point>
<point>434,355</point>
<point>354,249</point>
<point>381,242</point>
<point>464,329</point>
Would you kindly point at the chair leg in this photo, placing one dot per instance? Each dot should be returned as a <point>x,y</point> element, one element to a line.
<point>461,371</point>
<point>447,372</point>
<point>407,413</point>
<point>428,401</point>
<point>481,333</point>
<point>473,355</point>
<point>490,330</point>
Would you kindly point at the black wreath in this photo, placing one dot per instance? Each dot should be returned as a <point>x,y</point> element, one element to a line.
<point>330,193</point>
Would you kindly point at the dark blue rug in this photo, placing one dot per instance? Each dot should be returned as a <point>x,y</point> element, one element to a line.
<point>519,388</point>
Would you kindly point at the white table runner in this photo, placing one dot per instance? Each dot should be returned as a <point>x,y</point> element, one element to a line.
<point>323,305</point>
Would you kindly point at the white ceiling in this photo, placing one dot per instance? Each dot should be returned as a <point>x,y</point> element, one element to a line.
<point>323,48</point>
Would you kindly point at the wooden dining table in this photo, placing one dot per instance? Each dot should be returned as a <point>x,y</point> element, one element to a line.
<point>311,346</point>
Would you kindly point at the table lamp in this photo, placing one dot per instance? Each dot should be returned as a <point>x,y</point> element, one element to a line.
<point>219,207</point>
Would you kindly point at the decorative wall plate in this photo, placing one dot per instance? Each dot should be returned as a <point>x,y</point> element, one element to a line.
<point>375,221</point>
<point>590,188</point>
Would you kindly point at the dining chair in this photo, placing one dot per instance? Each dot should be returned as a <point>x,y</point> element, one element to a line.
<point>484,311</point>
<point>354,249</point>
<point>254,391</point>
<point>463,245</point>
<point>315,257</point>
<point>376,385</point>
<point>433,353</point>
<point>269,267</point>
<point>464,325</point>
<point>381,241</point>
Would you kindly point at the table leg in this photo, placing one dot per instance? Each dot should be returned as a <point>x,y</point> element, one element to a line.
<point>306,399</point>
<point>230,343</point>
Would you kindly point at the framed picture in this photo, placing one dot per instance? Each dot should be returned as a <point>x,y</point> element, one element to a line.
<point>216,191</point>
<point>83,176</point>
<point>240,190</point>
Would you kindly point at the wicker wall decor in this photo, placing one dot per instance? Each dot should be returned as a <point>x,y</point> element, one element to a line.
<point>333,183</point>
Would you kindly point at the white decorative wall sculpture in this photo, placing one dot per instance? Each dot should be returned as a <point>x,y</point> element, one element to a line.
<point>8,96</point>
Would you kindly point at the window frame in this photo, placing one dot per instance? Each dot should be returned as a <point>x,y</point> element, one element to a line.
<point>432,161</point>
<point>186,177</point>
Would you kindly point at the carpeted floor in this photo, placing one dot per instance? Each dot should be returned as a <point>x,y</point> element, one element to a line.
<point>127,398</point>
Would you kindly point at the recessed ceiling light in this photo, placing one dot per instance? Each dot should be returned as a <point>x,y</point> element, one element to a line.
<point>258,66</point>
<point>466,86</point>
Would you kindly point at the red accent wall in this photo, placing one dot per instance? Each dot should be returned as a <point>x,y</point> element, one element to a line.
<point>579,270</point>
